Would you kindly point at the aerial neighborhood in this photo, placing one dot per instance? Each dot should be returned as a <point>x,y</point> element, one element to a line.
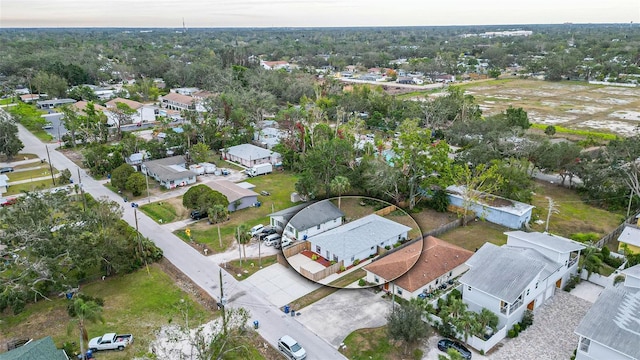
<point>324,193</point>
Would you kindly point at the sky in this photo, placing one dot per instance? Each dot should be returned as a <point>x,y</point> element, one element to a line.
<point>309,13</point>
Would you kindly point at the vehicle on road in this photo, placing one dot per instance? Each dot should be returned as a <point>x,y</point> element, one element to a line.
<point>445,344</point>
<point>197,214</point>
<point>110,341</point>
<point>7,169</point>
<point>272,240</point>
<point>291,348</point>
<point>47,126</point>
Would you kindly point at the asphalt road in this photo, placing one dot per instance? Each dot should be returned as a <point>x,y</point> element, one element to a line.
<point>273,322</point>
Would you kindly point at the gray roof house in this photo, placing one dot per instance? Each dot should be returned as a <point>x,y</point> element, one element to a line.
<point>249,155</point>
<point>50,104</point>
<point>279,219</point>
<point>610,329</point>
<point>358,239</point>
<point>314,219</point>
<point>171,172</point>
<point>42,349</point>
<point>136,158</point>
<point>239,197</point>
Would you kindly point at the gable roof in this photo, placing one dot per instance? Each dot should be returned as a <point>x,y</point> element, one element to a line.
<point>230,190</point>
<point>42,349</point>
<point>501,272</point>
<point>168,169</point>
<point>288,213</point>
<point>397,263</point>
<point>612,321</point>
<point>516,208</point>
<point>250,152</point>
<point>82,106</point>
<point>437,257</point>
<point>548,241</point>
<point>633,271</point>
<point>130,103</point>
<point>179,98</point>
<point>630,235</point>
<point>359,235</point>
<point>315,214</point>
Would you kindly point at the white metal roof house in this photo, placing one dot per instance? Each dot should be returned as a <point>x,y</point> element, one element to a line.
<point>239,198</point>
<point>610,329</point>
<point>169,172</point>
<point>629,238</point>
<point>50,104</point>
<point>514,215</point>
<point>419,267</point>
<point>314,219</point>
<point>249,155</point>
<point>359,239</point>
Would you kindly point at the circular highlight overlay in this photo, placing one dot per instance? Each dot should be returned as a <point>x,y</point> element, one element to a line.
<point>351,242</point>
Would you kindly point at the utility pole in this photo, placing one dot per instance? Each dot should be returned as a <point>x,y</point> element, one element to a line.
<point>146,176</point>
<point>84,200</point>
<point>53,179</point>
<point>393,297</point>
<point>135,215</point>
<point>223,306</point>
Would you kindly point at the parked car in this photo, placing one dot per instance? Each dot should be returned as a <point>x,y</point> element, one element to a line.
<point>256,230</point>
<point>47,126</point>
<point>272,240</point>
<point>291,348</point>
<point>197,214</point>
<point>110,341</point>
<point>7,169</point>
<point>286,241</point>
<point>266,231</point>
<point>7,201</point>
<point>265,193</point>
<point>445,344</point>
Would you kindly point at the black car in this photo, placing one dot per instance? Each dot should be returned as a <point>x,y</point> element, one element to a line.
<point>197,215</point>
<point>445,344</point>
<point>6,170</point>
<point>266,232</point>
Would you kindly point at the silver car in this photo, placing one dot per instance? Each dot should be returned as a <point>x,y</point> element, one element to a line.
<point>291,348</point>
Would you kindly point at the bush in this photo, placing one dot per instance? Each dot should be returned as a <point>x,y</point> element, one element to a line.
<point>605,252</point>
<point>517,328</point>
<point>527,319</point>
<point>342,268</point>
<point>571,283</point>
<point>440,201</point>
<point>314,257</point>
<point>614,262</point>
<point>455,294</point>
<point>417,354</point>
<point>361,282</point>
<point>71,310</point>
<point>585,237</point>
<point>356,262</point>
<point>511,334</point>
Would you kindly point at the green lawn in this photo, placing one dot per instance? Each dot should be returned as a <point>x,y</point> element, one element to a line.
<point>31,174</point>
<point>249,266</point>
<point>138,303</point>
<point>279,184</point>
<point>374,344</point>
<point>162,212</point>
<point>30,186</point>
<point>475,234</point>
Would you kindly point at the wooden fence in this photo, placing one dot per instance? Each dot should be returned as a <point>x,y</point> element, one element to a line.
<point>329,270</point>
<point>616,232</point>
<point>386,211</point>
<point>296,249</point>
<point>449,226</point>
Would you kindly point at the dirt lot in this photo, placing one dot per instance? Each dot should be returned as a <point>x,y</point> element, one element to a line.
<point>569,104</point>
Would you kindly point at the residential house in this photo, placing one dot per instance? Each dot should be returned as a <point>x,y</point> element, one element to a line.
<point>239,197</point>
<point>50,104</point>
<point>4,183</point>
<point>436,263</point>
<point>42,349</point>
<point>268,137</point>
<point>188,91</point>
<point>495,209</point>
<point>170,172</point>
<point>610,329</point>
<point>357,240</point>
<point>81,106</point>
<point>520,275</point>
<point>249,155</point>
<point>314,219</point>
<point>279,219</point>
<point>275,65</point>
<point>630,239</point>
<point>177,101</point>
<point>144,113</point>
<point>29,97</point>
<point>136,159</point>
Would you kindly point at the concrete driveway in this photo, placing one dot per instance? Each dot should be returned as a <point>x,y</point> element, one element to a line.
<point>281,285</point>
<point>346,310</point>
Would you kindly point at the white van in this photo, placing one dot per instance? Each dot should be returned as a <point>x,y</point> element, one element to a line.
<point>272,240</point>
<point>256,230</point>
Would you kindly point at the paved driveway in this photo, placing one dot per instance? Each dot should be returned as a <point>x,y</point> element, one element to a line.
<point>280,284</point>
<point>346,310</point>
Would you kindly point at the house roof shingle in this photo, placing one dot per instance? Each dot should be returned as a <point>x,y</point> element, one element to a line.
<point>288,213</point>
<point>179,98</point>
<point>169,169</point>
<point>437,258</point>
<point>82,106</point>
<point>42,349</point>
<point>250,152</point>
<point>315,214</point>
<point>396,264</point>
<point>613,321</point>
<point>231,190</point>
<point>501,272</point>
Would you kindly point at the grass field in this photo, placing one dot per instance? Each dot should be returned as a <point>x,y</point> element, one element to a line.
<point>30,186</point>
<point>31,174</point>
<point>249,266</point>
<point>161,212</point>
<point>374,344</point>
<point>279,184</point>
<point>475,234</point>
<point>137,303</point>
<point>570,104</point>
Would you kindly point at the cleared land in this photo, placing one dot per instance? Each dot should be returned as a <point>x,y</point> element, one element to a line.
<point>574,105</point>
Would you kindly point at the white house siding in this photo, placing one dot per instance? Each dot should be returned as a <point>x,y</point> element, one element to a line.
<point>600,352</point>
<point>278,222</point>
<point>299,234</point>
<point>560,258</point>
<point>494,215</point>
<point>180,182</point>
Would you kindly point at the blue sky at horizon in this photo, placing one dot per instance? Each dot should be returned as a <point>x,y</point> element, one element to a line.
<point>309,13</point>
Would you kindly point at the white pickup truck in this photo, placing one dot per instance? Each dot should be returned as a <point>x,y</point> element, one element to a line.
<point>110,341</point>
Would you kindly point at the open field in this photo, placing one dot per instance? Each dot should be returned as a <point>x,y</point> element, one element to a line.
<point>18,157</point>
<point>279,184</point>
<point>249,266</point>
<point>138,303</point>
<point>30,186</point>
<point>166,211</point>
<point>575,105</point>
<point>40,171</point>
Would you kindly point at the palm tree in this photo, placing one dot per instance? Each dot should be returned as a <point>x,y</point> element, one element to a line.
<point>340,185</point>
<point>243,237</point>
<point>456,309</point>
<point>85,311</point>
<point>487,318</point>
<point>467,325</point>
<point>592,260</point>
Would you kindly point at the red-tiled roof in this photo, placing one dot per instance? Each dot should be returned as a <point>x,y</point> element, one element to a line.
<point>179,98</point>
